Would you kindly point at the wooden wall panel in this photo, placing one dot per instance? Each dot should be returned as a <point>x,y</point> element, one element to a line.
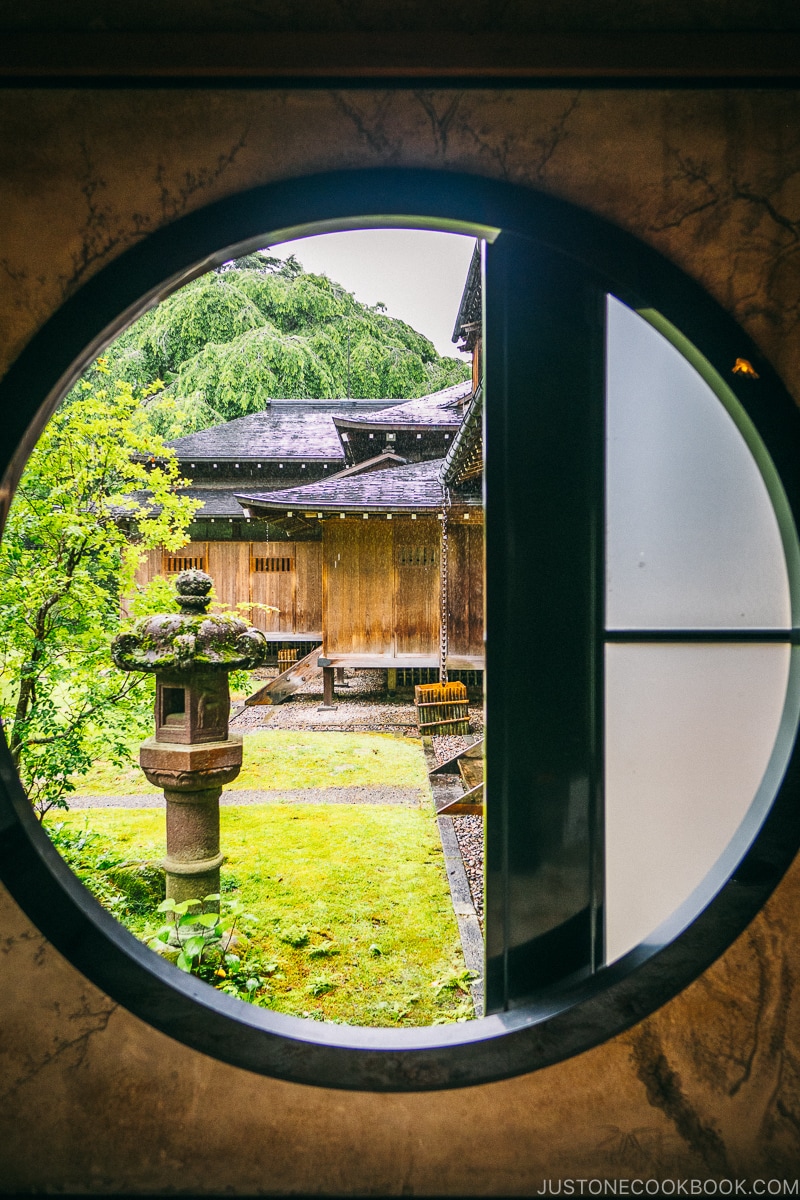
<point>458,607</point>
<point>149,567</point>
<point>357,586</point>
<point>308,596</point>
<point>476,573</point>
<point>229,567</point>
<point>193,554</point>
<point>465,588</point>
<point>373,626</point>
<point>339,548</point>
<point>416,586</point>
<point>273,587</point>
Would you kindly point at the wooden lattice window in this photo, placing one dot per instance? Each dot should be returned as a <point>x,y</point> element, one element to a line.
<point>417,556</point>
<point>272,564</point>
<point>175,563</point>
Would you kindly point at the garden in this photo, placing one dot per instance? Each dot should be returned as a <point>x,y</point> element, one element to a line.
<point>333,911</point>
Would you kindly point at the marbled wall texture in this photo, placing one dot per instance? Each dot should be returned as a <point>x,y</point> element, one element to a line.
<point>709,1086</point>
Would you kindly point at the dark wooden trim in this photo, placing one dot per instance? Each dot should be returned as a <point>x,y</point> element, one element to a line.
<point>100,58</point>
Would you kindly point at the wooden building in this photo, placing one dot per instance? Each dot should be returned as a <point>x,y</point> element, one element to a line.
<point>251,561</point>
<point>368,591</point>
<point>382,540</point>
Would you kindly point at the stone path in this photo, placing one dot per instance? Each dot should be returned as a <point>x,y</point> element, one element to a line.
<point>375,794</point>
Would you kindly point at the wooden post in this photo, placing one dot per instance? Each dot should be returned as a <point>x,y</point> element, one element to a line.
<point>391,680</point>
<point>340,675</point>
<point>327,687</point>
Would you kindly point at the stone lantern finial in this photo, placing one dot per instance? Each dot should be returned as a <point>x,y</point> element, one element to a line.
<point>191,653</point>
<point>193,588</point>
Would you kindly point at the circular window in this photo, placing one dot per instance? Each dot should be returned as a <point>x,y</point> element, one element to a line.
<point>642,590</point>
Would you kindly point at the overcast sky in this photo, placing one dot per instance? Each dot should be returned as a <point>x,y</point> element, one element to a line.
<point>419,275</point>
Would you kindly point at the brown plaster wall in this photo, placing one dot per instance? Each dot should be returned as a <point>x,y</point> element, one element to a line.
<point>94,1100</point>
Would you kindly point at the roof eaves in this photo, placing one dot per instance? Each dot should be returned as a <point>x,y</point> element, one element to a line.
<point>472,287</point>
<point>400,426</point>
<point>387,459</point>
<point>469,435</point>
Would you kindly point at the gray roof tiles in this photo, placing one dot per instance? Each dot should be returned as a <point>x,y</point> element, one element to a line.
<point>217,502</point>
<point>302,429</point>
<point>442,408</point>
<point>412,487</point>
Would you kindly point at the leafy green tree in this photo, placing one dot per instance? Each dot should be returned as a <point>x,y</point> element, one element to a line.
<point>73,538</point>
<point>259,328</point>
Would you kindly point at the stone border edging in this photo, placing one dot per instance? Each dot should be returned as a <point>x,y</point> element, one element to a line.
<point>468,924</point>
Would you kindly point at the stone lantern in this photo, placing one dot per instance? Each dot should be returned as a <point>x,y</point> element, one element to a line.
<point>192,756</point>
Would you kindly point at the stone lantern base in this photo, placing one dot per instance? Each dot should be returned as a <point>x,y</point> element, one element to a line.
<point>192,778</point>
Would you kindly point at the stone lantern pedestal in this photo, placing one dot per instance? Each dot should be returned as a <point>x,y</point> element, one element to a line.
<point>192,756</point>
<point>192,779</point>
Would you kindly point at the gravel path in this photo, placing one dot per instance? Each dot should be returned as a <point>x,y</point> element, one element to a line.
<point>376,794</point>
<point>469,832</point>
<point>361,704</point>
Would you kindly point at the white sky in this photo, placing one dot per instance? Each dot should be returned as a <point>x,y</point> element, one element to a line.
<point>418,274</point>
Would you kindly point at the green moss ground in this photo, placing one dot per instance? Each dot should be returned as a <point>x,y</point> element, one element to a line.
<point>352,914</point>
<point>284,758</point>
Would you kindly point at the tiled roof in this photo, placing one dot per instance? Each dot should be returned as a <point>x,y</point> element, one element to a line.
<point>438,409</point>
<point>412,487</point>
<point>469,311</point>
<point>464,459</point>
<point>284,430</point>
<point>378,462</point>
<point>216,501</point>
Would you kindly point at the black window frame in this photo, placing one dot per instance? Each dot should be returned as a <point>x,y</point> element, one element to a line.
<point>538,1020</point>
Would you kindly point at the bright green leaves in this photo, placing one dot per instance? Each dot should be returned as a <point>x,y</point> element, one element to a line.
<point>66,559</point>
<point>211,309</point>
<point>240,377</point>
<point>204,939</point>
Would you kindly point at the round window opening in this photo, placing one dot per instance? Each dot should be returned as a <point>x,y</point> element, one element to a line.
<point>585,527</point>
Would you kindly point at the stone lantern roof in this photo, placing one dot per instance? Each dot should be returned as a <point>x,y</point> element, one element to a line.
<point>192,639</point>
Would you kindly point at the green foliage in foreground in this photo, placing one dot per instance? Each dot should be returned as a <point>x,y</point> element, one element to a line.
<point>260,328</point>
<point>285,758</point>
<point>65,561</point>
<point>350,907</point>
<point>204,933</point>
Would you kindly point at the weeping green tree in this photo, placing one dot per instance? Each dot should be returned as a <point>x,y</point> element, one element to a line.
<point>70,548</point>
<point>259,328</point>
